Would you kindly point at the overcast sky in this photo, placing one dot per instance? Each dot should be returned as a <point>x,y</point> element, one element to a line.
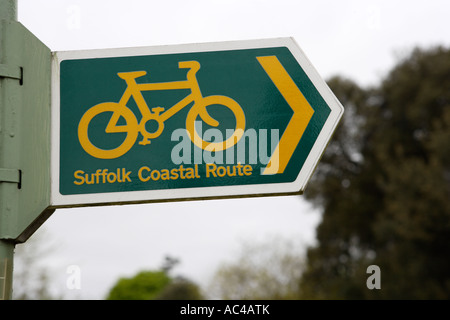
<point>361,40</point>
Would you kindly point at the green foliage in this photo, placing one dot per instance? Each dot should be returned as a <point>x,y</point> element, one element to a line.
<point>156,285</point>
<point>384,184</point>
<point>146,285</point>
<point>180,289</point>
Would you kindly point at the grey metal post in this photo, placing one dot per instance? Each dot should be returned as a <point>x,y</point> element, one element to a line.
<point>8,11</point>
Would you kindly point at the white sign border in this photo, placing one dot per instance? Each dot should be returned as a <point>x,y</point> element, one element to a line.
<point>295,187</point>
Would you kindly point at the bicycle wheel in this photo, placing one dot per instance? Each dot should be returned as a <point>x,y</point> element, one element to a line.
<point>131,128</point>
<point>199,109</point>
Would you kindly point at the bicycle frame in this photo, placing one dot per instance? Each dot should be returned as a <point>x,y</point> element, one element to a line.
<point>135,90</point>
<point>158,114</point>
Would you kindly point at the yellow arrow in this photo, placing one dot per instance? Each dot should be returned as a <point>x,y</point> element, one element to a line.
<point>303,113</point>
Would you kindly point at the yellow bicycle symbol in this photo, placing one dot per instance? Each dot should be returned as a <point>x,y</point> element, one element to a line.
<point>132,127</point>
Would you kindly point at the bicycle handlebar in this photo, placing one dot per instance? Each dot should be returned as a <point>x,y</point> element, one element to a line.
<point>131,75</point>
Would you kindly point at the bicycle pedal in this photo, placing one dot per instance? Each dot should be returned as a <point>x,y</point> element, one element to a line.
<point>157,110</point>
<point>144,142</point>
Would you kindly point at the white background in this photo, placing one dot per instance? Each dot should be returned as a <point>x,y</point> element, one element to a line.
<point>361,40</point>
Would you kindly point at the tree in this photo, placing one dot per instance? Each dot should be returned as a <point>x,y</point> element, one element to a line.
<point>155,285</point>
<point>32,278</point>
<point>146,285</point>
<point>383,186</point>
<point>266,270</point>
<point>180,289</point>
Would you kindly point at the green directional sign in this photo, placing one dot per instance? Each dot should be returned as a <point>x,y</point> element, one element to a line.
<point>189,121</point>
